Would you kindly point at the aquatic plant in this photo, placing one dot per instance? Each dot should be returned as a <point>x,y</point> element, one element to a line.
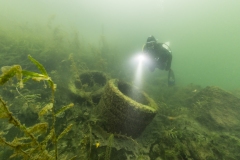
<point>171,133</point>
<point>29,146</point>
<point>109,147</point>
<point>11,71</point>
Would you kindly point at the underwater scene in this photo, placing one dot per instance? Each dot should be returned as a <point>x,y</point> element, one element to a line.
<point>119,80</point>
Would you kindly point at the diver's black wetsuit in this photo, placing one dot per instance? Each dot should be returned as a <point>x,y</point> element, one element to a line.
<point>160,57</point>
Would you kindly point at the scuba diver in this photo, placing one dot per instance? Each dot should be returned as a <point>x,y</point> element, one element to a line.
<point>159,56</point>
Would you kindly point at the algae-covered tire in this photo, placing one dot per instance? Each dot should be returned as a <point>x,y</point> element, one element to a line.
<point>88,85</point>
<point>125,109</point>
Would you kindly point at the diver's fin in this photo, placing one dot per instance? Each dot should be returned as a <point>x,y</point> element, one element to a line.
<point>171,78</point>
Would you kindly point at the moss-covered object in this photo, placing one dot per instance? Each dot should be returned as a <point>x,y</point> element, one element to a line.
<point>125,109</point>
<point>89,85</point>
<point>216,109</point>
<point>91,79</point>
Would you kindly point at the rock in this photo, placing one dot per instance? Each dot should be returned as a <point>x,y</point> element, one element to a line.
<point>216,109</point>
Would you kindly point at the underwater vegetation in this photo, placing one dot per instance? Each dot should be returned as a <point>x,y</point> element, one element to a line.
<point>43,124</point>
<point>38,120</point>
<point>29,145</point>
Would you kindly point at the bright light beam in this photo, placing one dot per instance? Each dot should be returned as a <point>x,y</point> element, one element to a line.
<point>139,70</point>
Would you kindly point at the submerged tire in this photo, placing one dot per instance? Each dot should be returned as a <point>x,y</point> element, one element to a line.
<point>124,109</point>
<point>88,85</point>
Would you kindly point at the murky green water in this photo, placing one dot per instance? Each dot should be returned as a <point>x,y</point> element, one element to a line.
<point>70,38</point>
<point>203,35</point>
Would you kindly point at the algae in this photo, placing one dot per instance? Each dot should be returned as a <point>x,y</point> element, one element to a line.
<point>38,119</point>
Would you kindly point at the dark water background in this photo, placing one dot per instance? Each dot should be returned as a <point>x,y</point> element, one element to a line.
<point>204,35</point>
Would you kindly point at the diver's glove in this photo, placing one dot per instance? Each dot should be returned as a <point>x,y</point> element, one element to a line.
<point>171,78</point>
